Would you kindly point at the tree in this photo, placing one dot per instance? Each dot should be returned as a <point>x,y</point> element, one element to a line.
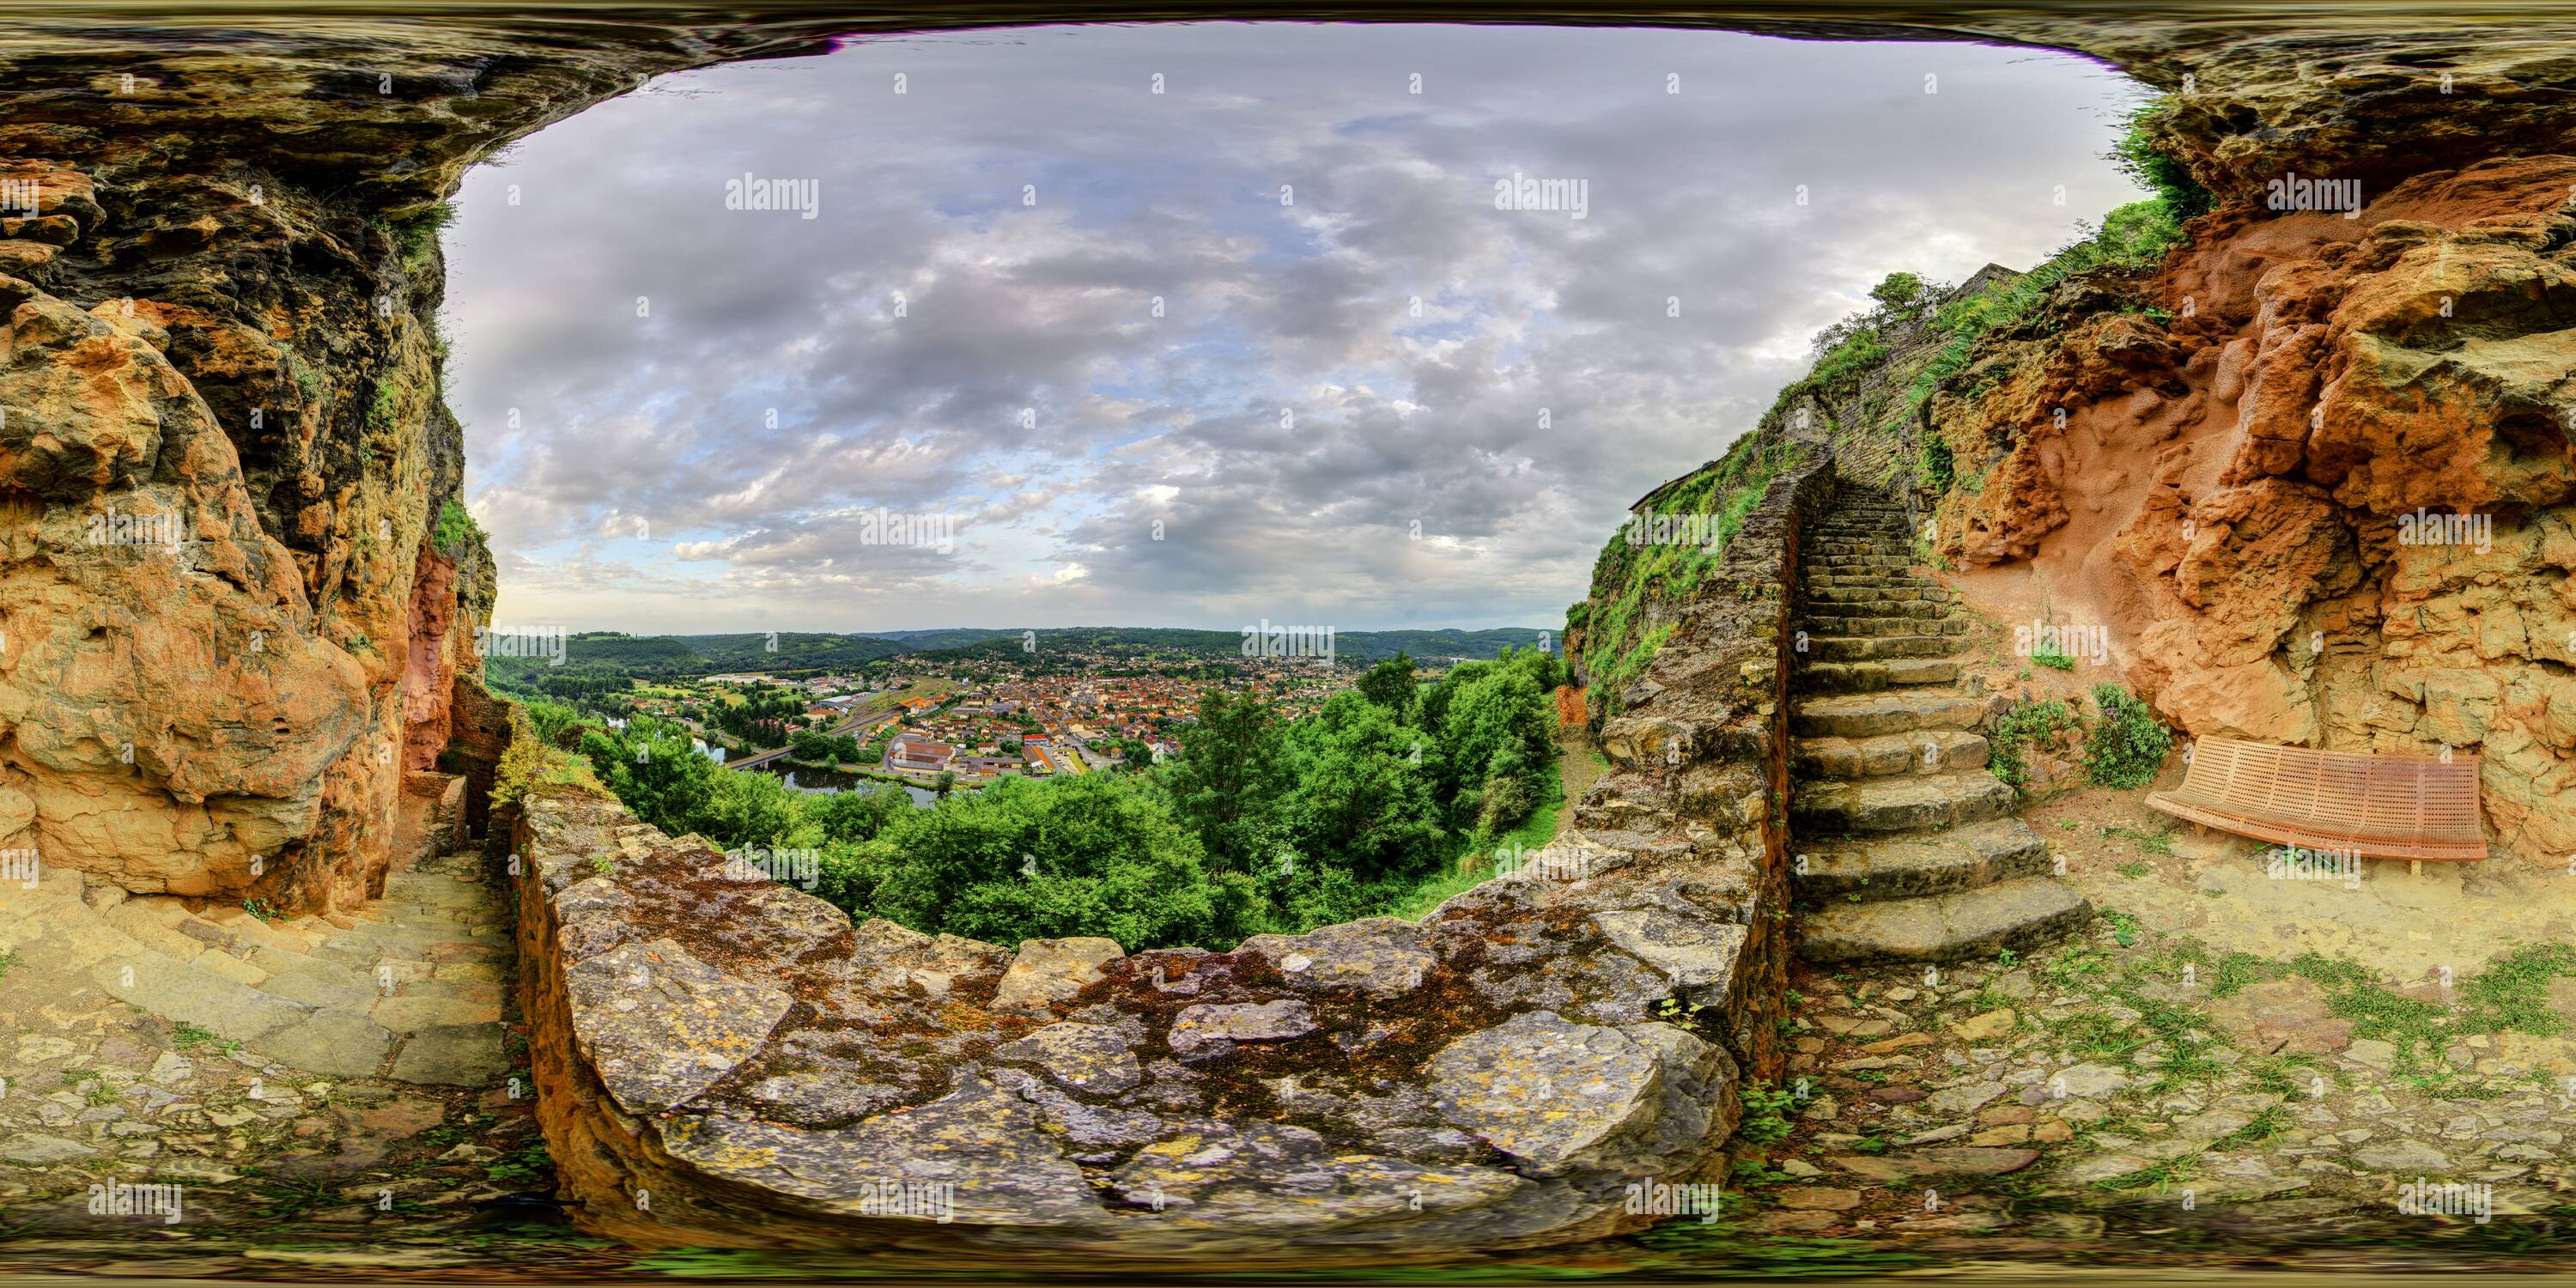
<point>854,816</point>
<point>1498,728</point>
<point>1049,858</point>
<point>1363,799</point>
<point>1225,786</point>
<point>945,783</point>
<point>1899,293</point>
<point>652,766</point>
<point>1390,684</point>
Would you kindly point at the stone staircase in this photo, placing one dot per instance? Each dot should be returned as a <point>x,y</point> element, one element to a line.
<point>1908,848</point>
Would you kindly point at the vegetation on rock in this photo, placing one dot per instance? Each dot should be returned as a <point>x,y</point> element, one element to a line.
<point>1640,586</point>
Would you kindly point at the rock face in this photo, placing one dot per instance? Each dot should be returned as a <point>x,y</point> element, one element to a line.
<point>2329,503</point>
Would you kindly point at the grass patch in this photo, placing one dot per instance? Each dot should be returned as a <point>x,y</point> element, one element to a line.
<point>2157,843</point>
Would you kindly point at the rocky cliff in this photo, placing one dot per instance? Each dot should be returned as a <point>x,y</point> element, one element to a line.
<point>2311,472</point>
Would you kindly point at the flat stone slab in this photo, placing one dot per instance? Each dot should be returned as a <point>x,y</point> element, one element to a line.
<point>1935,1164</point>
<point>175,990</point>
<point>460,1055</point>
<point>1280,1176</point>
<point>1379,956</point>
<point>978,1142</point>
<point>1548,1091</point>
<point>662,1026</point>
<point>1048,971</point>
<point>1698,954</point>
<point>1200,1026</point>
<point>339,1044</point>
<point>1085,1057</point>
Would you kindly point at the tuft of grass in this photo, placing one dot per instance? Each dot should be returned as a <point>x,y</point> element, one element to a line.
<point>2158,843</point>
<point>2133,869</point>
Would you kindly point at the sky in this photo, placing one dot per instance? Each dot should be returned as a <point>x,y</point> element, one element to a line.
<point>1195,325</point>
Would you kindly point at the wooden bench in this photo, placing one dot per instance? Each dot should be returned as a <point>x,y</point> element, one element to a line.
<point>2415,808</point>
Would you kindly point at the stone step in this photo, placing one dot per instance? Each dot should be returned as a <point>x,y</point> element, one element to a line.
<point>1942,622</point>
<point>1889,579</point>
<point>1865,715</point>
<point>1911,867</point>
<point>1877,608</point>
<point>1873,677</point>
<point>2019,914</point>
<point>1898,803</point>
<point>1848,648</point>
<point>1871,595</point>
<point>1929,751</point>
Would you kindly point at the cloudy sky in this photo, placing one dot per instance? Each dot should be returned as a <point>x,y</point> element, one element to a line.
<point>1054,348</point>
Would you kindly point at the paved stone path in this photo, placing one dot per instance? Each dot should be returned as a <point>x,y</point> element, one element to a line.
<point>355,1065</point>
<point>2036,1096</point>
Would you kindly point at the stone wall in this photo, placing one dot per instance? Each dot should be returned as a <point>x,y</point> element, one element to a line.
<point>723,1059</point>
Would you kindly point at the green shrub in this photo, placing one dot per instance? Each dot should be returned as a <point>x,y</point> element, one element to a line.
<point>456,528</point>
<point>2170,180</point>
<point>2025,723</point>
<point>2045,654</point>
<point>2128,747</point>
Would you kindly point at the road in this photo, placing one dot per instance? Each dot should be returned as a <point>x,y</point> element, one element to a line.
<point>755,762</point>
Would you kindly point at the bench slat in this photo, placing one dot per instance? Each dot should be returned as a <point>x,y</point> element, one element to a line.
<point>2384,806</point>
